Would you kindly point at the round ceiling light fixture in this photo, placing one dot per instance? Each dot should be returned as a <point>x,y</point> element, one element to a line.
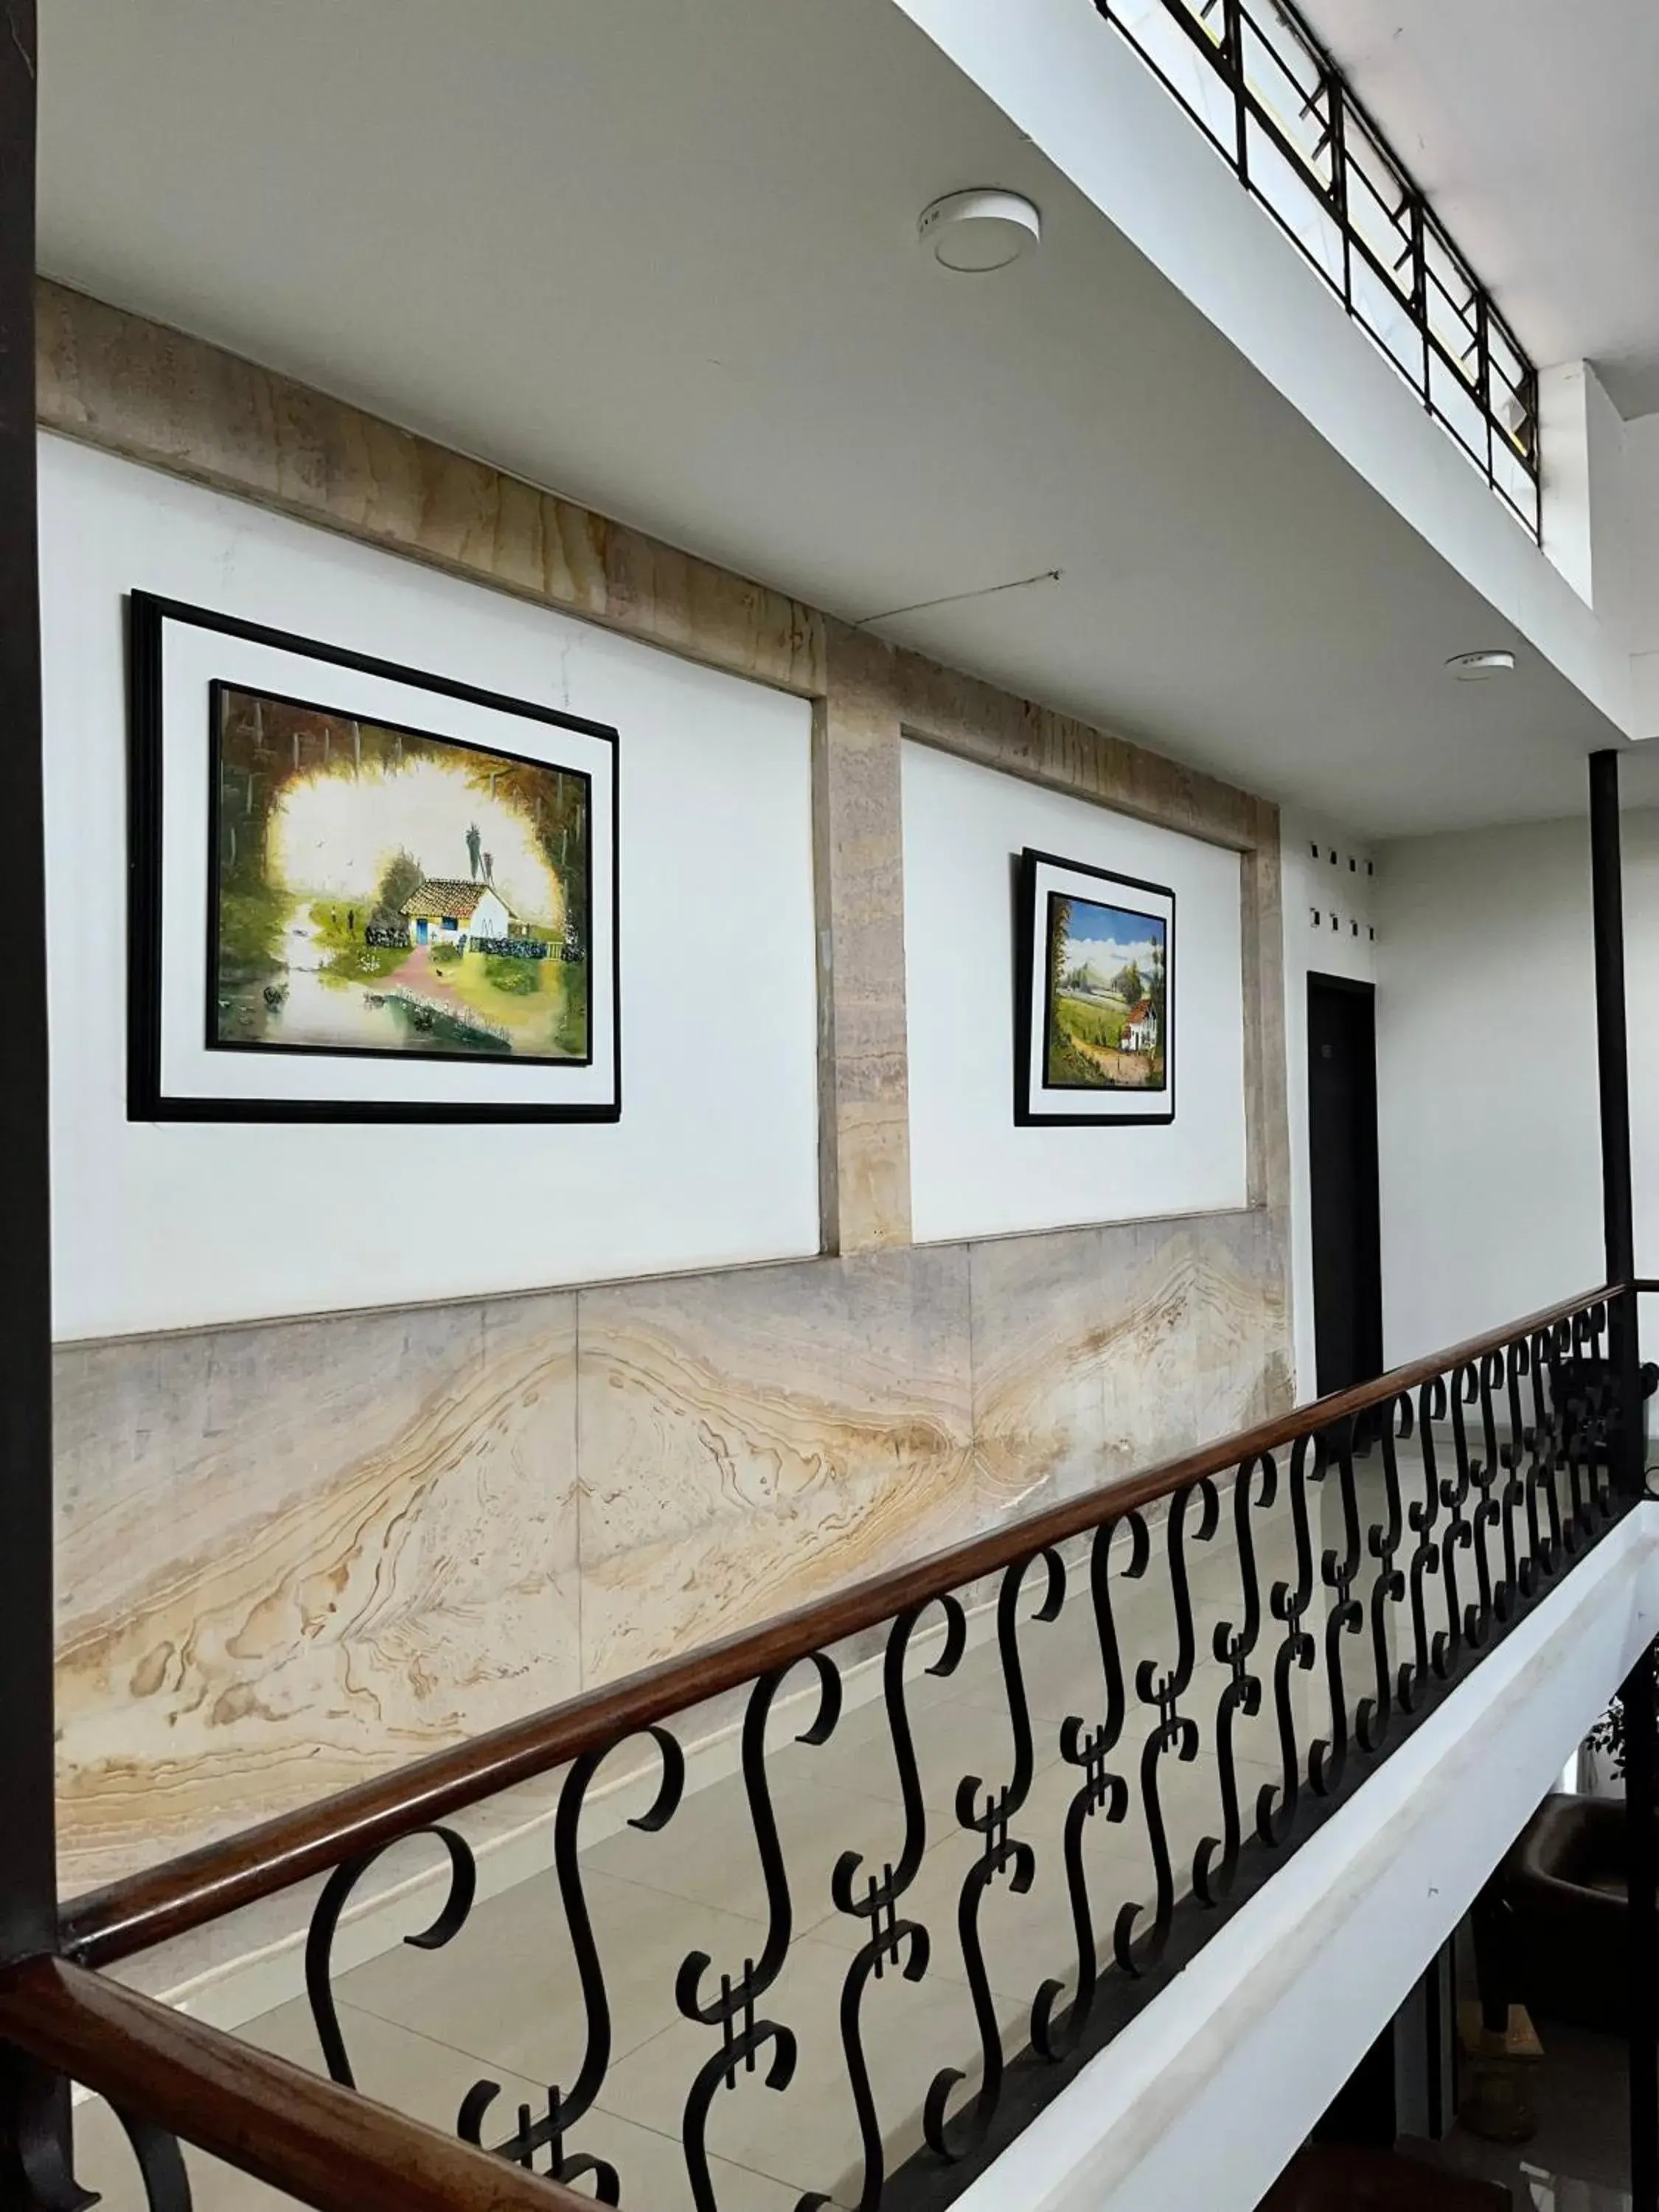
<point>1480,667</point>
<point>974,233</point>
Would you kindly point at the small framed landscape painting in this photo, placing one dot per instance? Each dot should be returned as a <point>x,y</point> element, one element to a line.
<point>360,893</point>
<point>1095,995</point>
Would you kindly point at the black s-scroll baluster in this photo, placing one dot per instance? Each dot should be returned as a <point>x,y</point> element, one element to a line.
<point>161,2163</point>
<point>1328,1758</point>
<point>1422,1515</point>
<point>953,2136</point>
<point>1099,1792</point>
<point>742,2037</point>
<point>1371,1717</point>
<point>1276,1801</point>
<point>1477,1475</point>
<point>1542,1440</point>
<point>1501,1459</point>
<point>1568,1432</point>
<point>1595,1407</point>
<point>892,1942</point>
<point>565,2111</point>
<point>1174,1732</point>
<point>326,1921</point>
<point>1447,1645</point>
<point>1216,1862</point>
<point>1526,1560</point>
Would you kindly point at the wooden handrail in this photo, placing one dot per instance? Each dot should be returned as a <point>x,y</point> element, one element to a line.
<point>203,1885</point>
<point>330,2147</point>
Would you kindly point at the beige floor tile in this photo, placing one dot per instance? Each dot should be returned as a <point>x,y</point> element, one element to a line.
<point>806,2135</point>
<point>1028,1937</point>
<point>1060,1664</point>
<point>104,2163</point>
<point>708,1853</point>
<point>422,2077</point>
<point>952,1739</point>
<point>506,1989</point>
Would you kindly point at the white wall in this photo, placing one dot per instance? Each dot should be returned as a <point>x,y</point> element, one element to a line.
<point>1486,1082</point>
<point>1641,444</point>
<point>973,1173</point>
<point>1328,888</point>
<point>715,1160</point>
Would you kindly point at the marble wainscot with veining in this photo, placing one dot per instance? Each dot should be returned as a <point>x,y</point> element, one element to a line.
<point>296,1553</point>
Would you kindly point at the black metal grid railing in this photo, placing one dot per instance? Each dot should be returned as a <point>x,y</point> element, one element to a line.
<point>1274,106</point>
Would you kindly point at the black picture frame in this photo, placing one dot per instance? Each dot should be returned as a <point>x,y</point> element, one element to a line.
<point>148,615</point>
<point>1031,931</point>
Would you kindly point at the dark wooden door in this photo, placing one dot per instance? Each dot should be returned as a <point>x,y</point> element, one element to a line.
<point>1347,1259</point>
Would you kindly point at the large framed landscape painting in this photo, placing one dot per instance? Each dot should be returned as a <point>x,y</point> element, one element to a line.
<point>360,892</point>
<point>1094,996</point>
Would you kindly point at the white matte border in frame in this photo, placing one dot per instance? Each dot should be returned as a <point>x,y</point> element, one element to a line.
<point>180,1064</point>
<point>1040,1101</point>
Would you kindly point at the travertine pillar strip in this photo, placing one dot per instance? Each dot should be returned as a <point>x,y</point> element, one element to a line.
<point>156,396</point>
<point>863,1130</point>
<point>1266,1111</point>
<point>964,715</point>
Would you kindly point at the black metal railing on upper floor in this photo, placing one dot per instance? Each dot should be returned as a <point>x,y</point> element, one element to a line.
<point>1272,103</point>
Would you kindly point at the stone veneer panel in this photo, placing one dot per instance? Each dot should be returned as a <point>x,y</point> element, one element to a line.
<point>294,1555</point>
<point>753,1439</point>
<point>1099,1352</point>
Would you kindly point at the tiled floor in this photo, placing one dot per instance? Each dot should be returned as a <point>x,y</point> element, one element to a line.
<point>502,2002</point>
<point>1579,2160</point>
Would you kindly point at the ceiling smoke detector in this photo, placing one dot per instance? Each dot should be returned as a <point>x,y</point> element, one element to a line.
<point>974,233</point>
<point>1479,668</point>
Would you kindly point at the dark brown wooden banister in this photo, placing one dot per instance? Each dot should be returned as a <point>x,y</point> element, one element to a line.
<point>330,2147</point>
<point>203,1885</point>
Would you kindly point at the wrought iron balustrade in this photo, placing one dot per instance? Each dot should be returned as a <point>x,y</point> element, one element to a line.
<point>1153,1693</point>
<point>1272,103</point>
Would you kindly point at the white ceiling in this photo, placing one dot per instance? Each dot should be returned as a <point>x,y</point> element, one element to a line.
<point>1534,127</point>
<point>660,255</point>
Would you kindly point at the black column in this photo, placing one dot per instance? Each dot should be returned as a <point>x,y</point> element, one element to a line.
<point>34,2131</point>
<point>1641,1719</point>
<point>1641,1745</point>
<point>28,1871</point>
<point>1612,1051</point>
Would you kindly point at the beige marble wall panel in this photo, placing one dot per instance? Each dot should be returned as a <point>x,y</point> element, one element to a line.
<point>1047,1326</point>
<point>751,1440</point>
<point>295,1554</point>
<point>1098,1352</point>
<point>1244,1324</point>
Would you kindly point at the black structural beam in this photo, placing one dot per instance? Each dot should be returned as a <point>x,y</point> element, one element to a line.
<point>27,1852</point>
<point>35,2115</point>
<point>1612,1047</point>
<point>1641,1717</point>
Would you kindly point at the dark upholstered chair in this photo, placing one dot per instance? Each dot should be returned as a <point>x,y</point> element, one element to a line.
<point>1328,2178</point>
<point>1563,1894</point>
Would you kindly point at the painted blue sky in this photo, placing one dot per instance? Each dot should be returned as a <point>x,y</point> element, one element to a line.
<point>1106,938</point>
